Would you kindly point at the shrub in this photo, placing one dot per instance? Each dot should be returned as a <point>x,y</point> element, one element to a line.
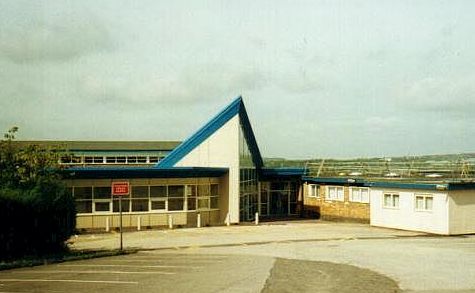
<point>35,221</point>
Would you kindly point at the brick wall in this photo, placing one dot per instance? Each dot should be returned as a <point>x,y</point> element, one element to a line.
<point>334,210</point>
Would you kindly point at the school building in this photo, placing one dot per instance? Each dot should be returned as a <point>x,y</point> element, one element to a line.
<point>218,176</point>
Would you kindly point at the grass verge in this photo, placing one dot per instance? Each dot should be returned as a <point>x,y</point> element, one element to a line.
<point>29,261</point>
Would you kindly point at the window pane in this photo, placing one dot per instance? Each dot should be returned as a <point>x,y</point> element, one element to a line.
<point>110,160</point>
<point>214,189</point>
<point>192,203</point>
<point>175,204</point>
<point>429,201</point>
<point>340,193</point>
<point>99,160</point>
<point>176,191</point>
<point>387,200</point>
<point>419,202</point>
<point>153,159</point>
<point>214,202</point>
<point>191,190</point>
<point>158,205</point>
<point>139,191</point>
<point>365,195</point>
<point>83,192</point>
<point>131,159</point>
<point>203,190</point>
<point>395,200</point>
<point>125,206</point>
<point>356,194</point>
<point>102,206</point>
<point>140,205</point>
<point>158,191</point>
<point>203,203</point>
<point>102,192</point>
<point>84,206</point>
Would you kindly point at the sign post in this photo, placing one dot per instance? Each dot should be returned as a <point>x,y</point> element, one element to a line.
<point>120,189</point>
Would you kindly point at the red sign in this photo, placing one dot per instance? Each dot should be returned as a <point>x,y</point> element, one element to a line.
<point>120,188</point>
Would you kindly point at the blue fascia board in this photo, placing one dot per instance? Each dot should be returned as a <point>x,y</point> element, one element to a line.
<point>407,185</point>
<point>283,172</point>
<point>333,180</point>
<point>235,108</point>
<point>115,173</point>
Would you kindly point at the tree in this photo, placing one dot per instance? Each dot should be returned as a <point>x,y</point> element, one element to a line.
<point>37,211</point>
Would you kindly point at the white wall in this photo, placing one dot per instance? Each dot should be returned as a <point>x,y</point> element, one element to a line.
<point>462,212</point>
<point>221,149</point>
<point>406,217</point>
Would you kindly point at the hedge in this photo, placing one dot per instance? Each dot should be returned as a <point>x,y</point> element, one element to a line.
<point>35,221</point>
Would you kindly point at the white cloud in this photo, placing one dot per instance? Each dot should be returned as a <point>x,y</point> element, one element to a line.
<point>449,94</point>
<point>59,39</point>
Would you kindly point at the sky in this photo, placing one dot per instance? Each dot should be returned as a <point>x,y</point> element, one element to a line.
<point>319,79</point>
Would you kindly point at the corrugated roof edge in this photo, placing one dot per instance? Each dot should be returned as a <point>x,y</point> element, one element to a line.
<point>234,108</point>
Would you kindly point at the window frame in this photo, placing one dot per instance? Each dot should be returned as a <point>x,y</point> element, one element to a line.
<point>424,197</point>
<point>360,189</point>
<point>392,195</point>
<point>337,198</point>
<point>312,188</point>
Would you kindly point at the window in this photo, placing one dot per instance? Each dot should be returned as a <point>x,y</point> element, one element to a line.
<point>359,194</point>
<point>158,205</point>
<point>335,193</point>
<point>214,196</point>
<point>139,198</point>
<point>313,190</point>
<point>125,204</point>
<point>191,197</point>
<point>176,198</point>
<point>391,200</point>
<point>153,159</point>
<point>98,160</point>
<point>424,202</point>
<point>83,197</point>
<point>102,206</point>
<point>102,199</point>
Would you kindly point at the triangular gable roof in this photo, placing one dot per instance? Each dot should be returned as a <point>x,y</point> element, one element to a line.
<point>234,108</point>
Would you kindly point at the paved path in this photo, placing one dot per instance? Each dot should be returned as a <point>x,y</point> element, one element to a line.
<point>219,236</point>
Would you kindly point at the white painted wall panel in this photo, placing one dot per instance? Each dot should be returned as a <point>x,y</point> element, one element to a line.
<point>462,212</point>
<point>406,216</point>
<point>221,149</point>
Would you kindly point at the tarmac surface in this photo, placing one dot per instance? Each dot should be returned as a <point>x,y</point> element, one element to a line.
<point>306,256</point>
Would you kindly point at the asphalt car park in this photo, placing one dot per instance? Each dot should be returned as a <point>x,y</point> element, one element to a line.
<point>288,257</point>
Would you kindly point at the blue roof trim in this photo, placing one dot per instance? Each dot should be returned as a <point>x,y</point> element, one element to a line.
<point>407,185</point>
<point>333,180</point>
<point>276,173</point>
<point>236,107</point>
<point>115,173</point>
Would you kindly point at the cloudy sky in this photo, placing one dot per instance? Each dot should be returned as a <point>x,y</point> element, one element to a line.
<point>319,78</point>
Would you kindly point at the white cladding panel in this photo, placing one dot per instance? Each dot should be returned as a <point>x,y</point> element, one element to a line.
<point>221,149</point>
<point>462,212</point>
<point>406,216</point>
